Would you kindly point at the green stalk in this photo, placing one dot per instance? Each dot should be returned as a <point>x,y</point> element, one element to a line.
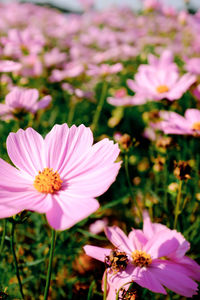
<point>99,107</point>
<point>117,295</point>
<point>178,201</point>
<point>105,286</point>
<point>71,112</point>
<point>15,260</point>
<point>49,271</point>
<point>3,236</point>
<point>130,186</point>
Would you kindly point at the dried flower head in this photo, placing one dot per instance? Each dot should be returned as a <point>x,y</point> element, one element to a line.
<point>182,170</point>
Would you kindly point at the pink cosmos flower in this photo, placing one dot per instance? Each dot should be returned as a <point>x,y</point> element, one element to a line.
<point>21,100</point>
<point>59,175</point>
<point>174,123</point>
<point>9,66</point>
<point>159,83</point>
<point>153,257</point>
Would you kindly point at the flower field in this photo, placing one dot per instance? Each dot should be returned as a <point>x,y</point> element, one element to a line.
<point>99,156</point>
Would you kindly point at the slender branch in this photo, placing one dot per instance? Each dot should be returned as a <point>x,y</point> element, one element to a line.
<point>49,271</point>
<point>130,186</point>
<point>15,260</point>
<point>178,201</point>
<point>3,236</point>
<point>99,107</point>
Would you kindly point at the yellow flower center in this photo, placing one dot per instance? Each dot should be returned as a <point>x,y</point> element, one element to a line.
<point>196,126</point>
<point>162,89</point>
<point>141,258</point>
<point>47,181</point>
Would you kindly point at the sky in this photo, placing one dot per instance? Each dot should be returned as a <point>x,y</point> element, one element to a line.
<point>100,4</point>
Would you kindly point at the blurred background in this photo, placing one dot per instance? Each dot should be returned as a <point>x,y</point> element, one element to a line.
<point>76,5</point>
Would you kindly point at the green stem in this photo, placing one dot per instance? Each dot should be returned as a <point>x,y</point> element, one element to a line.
<point>49,271</point>
<point>71,113</point>
<point>130,186</point>
<point>3,236</point>
<point>178,201</point>
<point>99,107</point>
<point>105,286</point>
<point>15,259</point>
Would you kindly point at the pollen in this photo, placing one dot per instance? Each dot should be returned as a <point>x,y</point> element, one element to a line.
<point>196,126</point>
<point>141,258</point>
<point>47,181</point>
<point>162,89</point>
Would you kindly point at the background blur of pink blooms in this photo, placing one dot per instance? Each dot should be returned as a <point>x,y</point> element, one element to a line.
<point>9,66</point>
<point>98,226</point>
<point>85,170</point>
<point>21,100</point>
<point>174,123</point>
<point>123,79</point>
<point>155,257</point>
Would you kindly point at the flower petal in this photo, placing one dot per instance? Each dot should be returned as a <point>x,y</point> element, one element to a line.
<point>66,212</point>
<point>97,252</point>
<point>145,278</point>
<point>66,146</point>
<point>162,244</point>
<point>26,150</point>
<point>174,277</point>
<point>118,238</point>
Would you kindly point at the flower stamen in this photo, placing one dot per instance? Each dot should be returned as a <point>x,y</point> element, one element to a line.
<point>141,258</point>
<point>162,89</point>
<point>196,126</point>
<point>47,181</point>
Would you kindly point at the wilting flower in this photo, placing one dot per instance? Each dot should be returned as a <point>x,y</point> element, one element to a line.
<point>174,123</point>
<point>59,175</point>
<point>21,101</point>
<point>153,257</point>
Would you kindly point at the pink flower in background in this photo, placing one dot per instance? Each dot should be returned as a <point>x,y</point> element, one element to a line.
<point>104,69</point>
<point>54,57</point>
<point>60,175</point>
<point>70,70</point>
<point>20,101</point>
<point>159,83</point>
<point>32,66</point>
<point>77,92</point>
<point>22,42</point>
<point>98,226</point>
<point>196,92</point>
<point>174,123</point>
<point>120,98</point>
<point>166,60</point>
<point>151,4</point>
<point>193,65</point>
<point>153,257</point>
<point>9,66</point>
